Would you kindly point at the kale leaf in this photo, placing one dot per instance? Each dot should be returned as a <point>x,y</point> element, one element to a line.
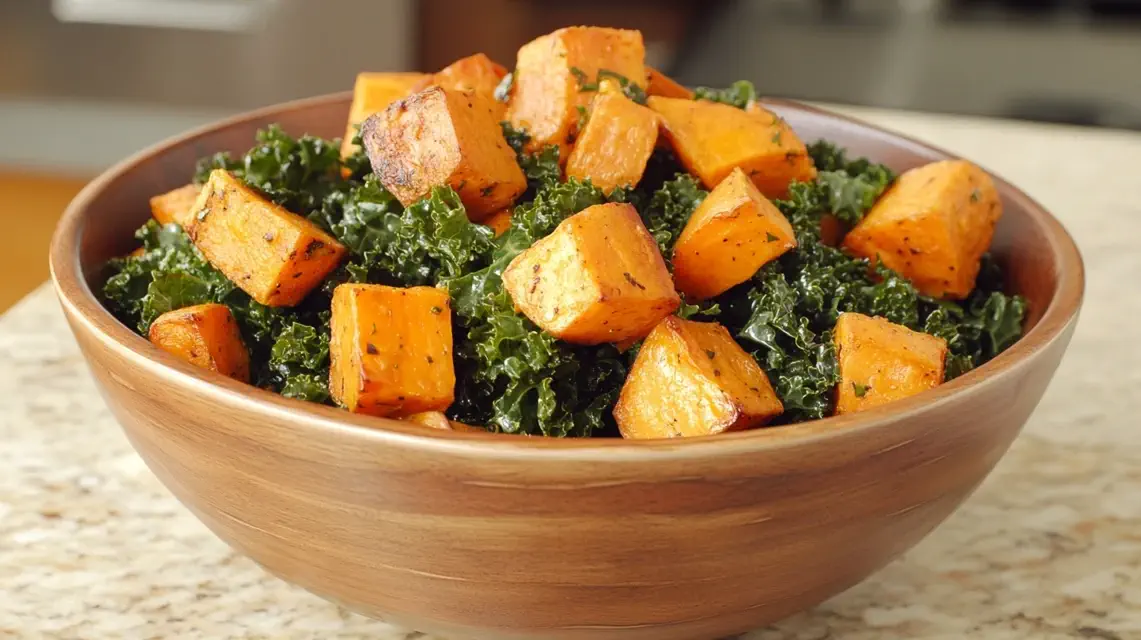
<point>669,209</point>
<point>296,173</point>
<point>739,94</point>
<point>630,89</point>
<point>538,385</point>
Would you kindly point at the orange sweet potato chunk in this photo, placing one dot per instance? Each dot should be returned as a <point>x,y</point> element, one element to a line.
<point>372,93</point>
<point>475,73</point>
<point>693,379</point>
<point>711,139</point>
<point>500,221</point>
<point>659,84</point>
<point>204,335</point>
<point>932,227</point>
<point>274,255</point>
<point>881,361</point>
<point>549,71</point>
<point>597,278</point>
<point>390,350</point>
<point>174,206</point>
<point>613,148</point>
<point>730,235</point>
<point>444,137</point>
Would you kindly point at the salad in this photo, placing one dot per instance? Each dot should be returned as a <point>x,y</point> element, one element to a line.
<point>578,247</point>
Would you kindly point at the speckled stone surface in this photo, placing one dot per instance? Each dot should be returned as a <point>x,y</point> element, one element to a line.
<point>92,546</point>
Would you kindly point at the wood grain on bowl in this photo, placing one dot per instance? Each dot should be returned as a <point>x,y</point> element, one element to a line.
<point>487,536</point>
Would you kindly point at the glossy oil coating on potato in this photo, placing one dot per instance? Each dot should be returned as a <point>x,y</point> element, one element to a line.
<point>550,72</point>
<point>204,335</point>
<point>711,139</point>
<point>659,84</point>
<point>693,379</point>
<point>274,255</point>
<point>372,93</point>
<point>932,227</point>
<point>881,361</point>
<point>444,137</point>
<point>175,205</point>
<point>477,74</point>
<point>597,278</point>
<point>730,235</point>
<point>391,349</point>
<point>613,148</point>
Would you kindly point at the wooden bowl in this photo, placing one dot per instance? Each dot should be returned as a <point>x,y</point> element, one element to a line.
<point>488,536</point>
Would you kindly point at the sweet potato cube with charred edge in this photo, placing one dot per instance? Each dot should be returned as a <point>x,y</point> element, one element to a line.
<point>500,221</point>
<point>444,137</point>
<point>597,278</point>
<point>391,350</point>
<point>692,379</point>
<point>175,206</point>
<point>613,148</point>
<point>205,335</point>
<point>276,256</point>
<point>550,71</point>
<point>659,84</point>
<point>932,227</point>
<point>881,361</point>
<point>711,139</point>
<point>477,74</point>
<point>372,93</point>
<point>730,235</point>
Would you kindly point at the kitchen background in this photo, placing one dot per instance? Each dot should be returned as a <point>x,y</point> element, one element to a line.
<point>84,83</point>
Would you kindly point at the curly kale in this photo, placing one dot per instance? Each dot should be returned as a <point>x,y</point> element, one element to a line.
<point>739,94</point>
<point>669,209</point>
<point>785,315</point>
<point>630,89</point>
<point>511,375</point>
<point>537,385</point>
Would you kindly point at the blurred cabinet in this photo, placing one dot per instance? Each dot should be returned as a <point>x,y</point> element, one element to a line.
<point>451,29</point>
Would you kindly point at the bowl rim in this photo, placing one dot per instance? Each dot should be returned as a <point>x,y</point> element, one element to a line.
<point>81,304</point>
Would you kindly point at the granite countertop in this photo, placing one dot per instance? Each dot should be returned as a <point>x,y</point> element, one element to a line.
<point>92,546</point>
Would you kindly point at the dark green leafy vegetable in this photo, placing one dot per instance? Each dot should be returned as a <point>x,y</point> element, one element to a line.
<point>512,376</point>
<point>739,94</point>
<point>670,208</point>
<point>631,90</point>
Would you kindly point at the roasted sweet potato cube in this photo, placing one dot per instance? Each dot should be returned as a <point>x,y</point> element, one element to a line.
<point>477,74</point>
<point>500,221</point>
<point>205,335</point>
<point>372,93</point>
<point>274,255</point>
<point>932,227</point>
<point>881,361</point>
<point>659,84</point>
<point>711,139</point>
<point>597,278</point>
<point>730,235</point>
<point>613,148</point>
<point>444,137</point>
<point>174,206</point>
<point>437,420</point>
<point>391,349</point>
<point>692,379</point>
<point>550,72</point>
